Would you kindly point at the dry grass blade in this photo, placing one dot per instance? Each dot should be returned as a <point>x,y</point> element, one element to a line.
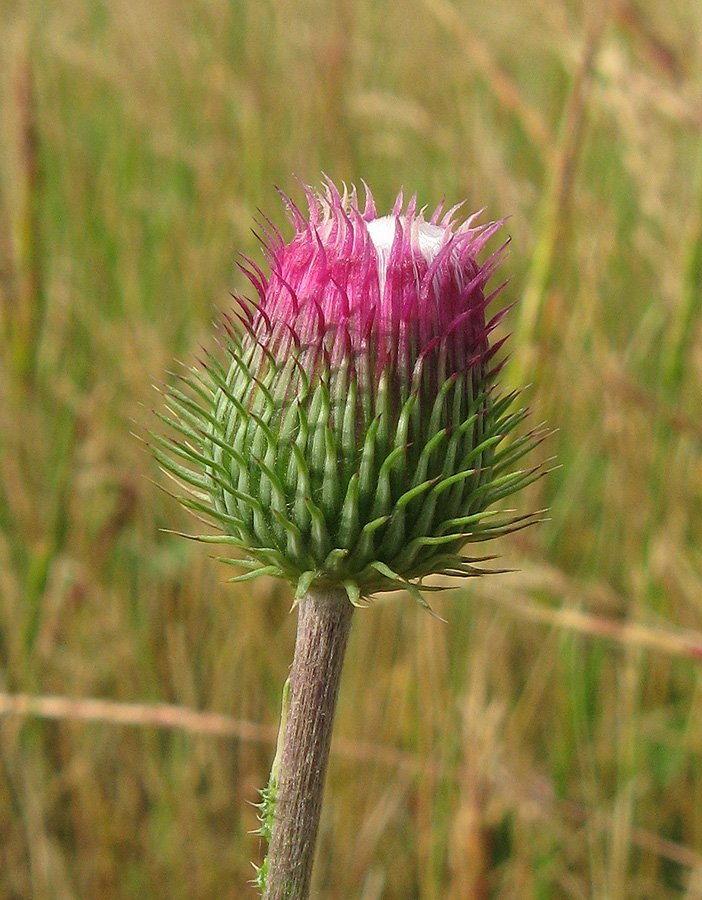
<point>156,715</point>
<point>532,796</point>
<point>479,55</point>
<point>555,203</point>
<point>26,319</point>
<point>517,591</point>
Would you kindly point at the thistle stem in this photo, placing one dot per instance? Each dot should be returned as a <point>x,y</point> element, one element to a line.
<point>322,633</point>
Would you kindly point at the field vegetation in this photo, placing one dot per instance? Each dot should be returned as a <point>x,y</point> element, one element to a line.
<point>545,743</point>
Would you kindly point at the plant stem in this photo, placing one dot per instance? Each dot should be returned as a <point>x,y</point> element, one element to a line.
<point>322,633</point>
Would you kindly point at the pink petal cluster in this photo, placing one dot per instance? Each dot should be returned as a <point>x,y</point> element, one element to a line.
<point>391,288</point>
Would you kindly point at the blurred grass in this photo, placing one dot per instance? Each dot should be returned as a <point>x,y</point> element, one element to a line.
<point>547,743</point>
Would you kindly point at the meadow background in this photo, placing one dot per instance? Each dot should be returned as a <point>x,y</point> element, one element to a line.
<point>546,742</point>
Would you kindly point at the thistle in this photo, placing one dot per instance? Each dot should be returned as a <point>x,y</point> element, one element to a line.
<point>351,439</point>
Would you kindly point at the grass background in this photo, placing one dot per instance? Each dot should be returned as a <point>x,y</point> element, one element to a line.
<point>547,742</point>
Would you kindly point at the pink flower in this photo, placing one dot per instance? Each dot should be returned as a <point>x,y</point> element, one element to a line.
<point>391,287</point>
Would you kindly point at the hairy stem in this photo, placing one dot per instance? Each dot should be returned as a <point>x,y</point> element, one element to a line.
<point>322,633</point>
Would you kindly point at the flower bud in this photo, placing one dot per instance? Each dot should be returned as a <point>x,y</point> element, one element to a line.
<point>354,435</point>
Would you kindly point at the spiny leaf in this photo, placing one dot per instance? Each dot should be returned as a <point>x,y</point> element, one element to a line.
<point>255,573</point>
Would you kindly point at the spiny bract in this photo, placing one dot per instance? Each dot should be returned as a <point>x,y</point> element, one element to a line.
<point>353,434</point>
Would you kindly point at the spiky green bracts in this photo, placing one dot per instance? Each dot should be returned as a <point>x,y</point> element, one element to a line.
<point>354,434</point>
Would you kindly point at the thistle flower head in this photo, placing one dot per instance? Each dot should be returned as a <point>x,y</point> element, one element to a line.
<point>354,434</point>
